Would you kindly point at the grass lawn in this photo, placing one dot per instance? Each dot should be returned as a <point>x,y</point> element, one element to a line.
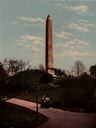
<point>72,97</point>
<point>13,116</point>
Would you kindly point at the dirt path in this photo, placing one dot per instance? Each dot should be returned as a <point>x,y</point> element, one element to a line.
<point>59,118</point>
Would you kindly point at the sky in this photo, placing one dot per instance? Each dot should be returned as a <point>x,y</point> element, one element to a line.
<point>22,31</point>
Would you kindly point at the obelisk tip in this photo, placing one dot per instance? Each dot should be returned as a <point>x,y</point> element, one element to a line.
<point>49,17</point>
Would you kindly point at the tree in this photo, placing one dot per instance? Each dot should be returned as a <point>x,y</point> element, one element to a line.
<point>9,68</point>
<point>41,67</point>
<point>59,72</point>
<point>46,78</point>
<point>93,71</point>
<point>3,79</point>
<point>78,68</point>
<point>29,79</point>
<point>12,66</point>
<point>85,75</point>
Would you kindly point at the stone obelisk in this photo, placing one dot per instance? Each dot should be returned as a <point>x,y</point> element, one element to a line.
<point>49,47</point>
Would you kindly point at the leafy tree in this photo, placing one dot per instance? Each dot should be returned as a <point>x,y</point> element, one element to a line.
<point>59,72</point>
<point>25,80</point>
<point>3,79</point>
<point>78,68</point>
<point>46,78</point>
<point>93,71</point>
<point>7,69</point>
<point>85,75</point>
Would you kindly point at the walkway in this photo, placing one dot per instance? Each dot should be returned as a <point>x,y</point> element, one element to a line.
<point>58,118</point>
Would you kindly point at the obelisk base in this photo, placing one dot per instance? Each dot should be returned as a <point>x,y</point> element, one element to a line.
<point>51,71</point>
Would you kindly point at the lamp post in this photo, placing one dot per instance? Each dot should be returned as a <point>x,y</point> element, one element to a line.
<point>38,78</point>
<point>37,89</point>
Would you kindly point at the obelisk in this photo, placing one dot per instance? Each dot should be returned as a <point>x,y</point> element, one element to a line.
<point>49,47</point>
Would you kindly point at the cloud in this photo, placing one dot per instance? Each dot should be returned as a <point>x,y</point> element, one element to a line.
<point>92,14</point>
<point>83,26</point>
<point>60,5</point>
<point>80,8</point>
<point>37,20</point>
<point>65,35</point>
<point>75,54</point>
<point>76,43</point>
<point>30,41</point>
<point>34,39</point>
<point>15,22</point>
<point>74,49</point>
<point>35,48</point>
<point>64,0</point>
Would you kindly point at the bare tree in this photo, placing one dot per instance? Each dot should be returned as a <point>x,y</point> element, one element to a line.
<point>41,67</point>
<point>12,66</point>
<point>78,68</point>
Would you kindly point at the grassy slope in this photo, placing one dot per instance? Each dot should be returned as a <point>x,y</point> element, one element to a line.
<point>70,93</point>
<point>19,117</point>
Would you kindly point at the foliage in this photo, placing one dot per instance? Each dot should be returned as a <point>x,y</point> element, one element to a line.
<point>3,74</point>
<point>85,75</point>
<point>29,78</point>
<point>93,71</point>
<point>59,72</point>
<point>70,92</point>
<point>25,80</point>
<point>3,79</point>
<point>46,78</point>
